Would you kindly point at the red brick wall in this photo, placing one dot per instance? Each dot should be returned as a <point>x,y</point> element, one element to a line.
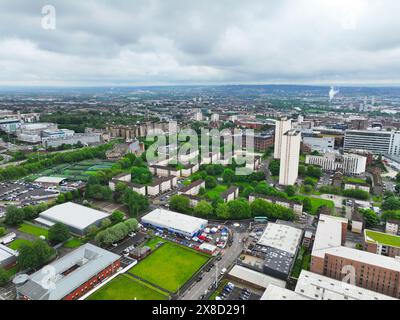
<point>88,285</point>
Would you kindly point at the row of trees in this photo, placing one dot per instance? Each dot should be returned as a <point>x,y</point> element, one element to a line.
<point>235,209</point>
<point>15,216</point>
<point>117,232</point>
<point>33,165</point>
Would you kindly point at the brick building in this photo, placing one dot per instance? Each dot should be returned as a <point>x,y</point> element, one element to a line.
<point>74,275</point>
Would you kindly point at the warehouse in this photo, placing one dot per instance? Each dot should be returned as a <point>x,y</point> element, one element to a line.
<point>77,217</point>
<point>7,256</point>
<point>174,222</point>
<point>73,275</point>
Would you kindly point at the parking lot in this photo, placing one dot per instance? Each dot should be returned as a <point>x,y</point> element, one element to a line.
<point>234,292</point>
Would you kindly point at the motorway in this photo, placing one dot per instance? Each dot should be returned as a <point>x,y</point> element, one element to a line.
<point>229,257</point>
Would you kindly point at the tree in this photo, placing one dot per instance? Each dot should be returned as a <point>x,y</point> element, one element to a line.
<point>260,207</point>
<point>228,176</point>
<point>92,231</point>
<point>314,172</point>
<point>370,216</point>
<point>117,216</point>
<point>141,175</point>
<point>203,209</point>
<point>43,251</point>
<point>4,277</point>
<point>211,182</point>
<point>248,191</point>
<point>58,233</point>
<point>307,206</point>
<point>302,170</point>
<point>132,224</point>
<point>274,166</point>
<point>309,181</point>
<point>307,188</point>
<point>222,211</point>
<point>60,198</point>
<point>239,209</point>
<point>14,216</point>
<point>179,203</point>
<point>68,196</point>
<point>30,212</point>
<point>356,193</point>
<point>391,203</point>
<point>34,255</point>
<point>135,202</point>
<point>105,223</point>
<point>290,191</point>
<point>2,231</point>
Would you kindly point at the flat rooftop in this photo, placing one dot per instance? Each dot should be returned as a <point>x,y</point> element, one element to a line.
<point>274,292</point>
<point>6,252</point>
<point>70,272</point>
<point>282,237</point>
<point>382,238</point>
<point>173,220</point>
<point>256,278</point>
<point>318,287</point>
<point>328,234</point>
<point>73,215</point>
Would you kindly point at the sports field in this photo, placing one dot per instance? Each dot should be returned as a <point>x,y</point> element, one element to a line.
<point>170,266</point>
<point>125,287</point>
<point>76,171</point>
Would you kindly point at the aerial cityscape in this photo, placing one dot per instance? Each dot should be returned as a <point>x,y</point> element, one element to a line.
<point>198,159</point>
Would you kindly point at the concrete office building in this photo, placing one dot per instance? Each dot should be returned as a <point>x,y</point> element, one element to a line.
<point>350,164</point>
<point>290,152</point>
<point>377,142</point>
<point>281,127</point>
<point>330,257</point>
<point>320,144</point>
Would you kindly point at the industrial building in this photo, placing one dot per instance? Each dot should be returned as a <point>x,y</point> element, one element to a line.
<point>320,144</point>
<point>75,216</point>
<point>71,276</point>
<point>7,256</point>
<point>174,222</point>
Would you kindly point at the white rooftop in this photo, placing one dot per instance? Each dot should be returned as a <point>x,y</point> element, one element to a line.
<point>50,179</point>
<point>174,220</point>
<point>328,240</point>
<point>73,215</point>
<point>6,252</point>
<point>328,234</point>
<point>254,277</point>
<point>318,287</point>
<point>279,236</point>
<point>278,293</point>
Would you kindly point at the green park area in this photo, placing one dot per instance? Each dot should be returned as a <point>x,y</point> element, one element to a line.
<point>383,238</point>
<point>316,203</point>
<point>170,266</point>
<point>17,243</point>
<point>33,230</point>
<point>75,171</point>
<point>125,287</point>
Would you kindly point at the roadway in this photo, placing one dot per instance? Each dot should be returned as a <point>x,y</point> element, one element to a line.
<point>229,256</point>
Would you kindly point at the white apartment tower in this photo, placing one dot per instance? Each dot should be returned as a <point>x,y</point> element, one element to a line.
<point>290,151</point>
<point>281,127</point>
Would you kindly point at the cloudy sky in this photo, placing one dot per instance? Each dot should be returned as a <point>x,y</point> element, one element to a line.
<point>135,42</point>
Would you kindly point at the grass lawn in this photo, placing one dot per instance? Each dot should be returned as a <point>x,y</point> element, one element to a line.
<point>124,287</point>
<point>153,242</point>
<point>16,244</point>
<point>73,243</point>
<point>384,238</point>
<point>218,290</point>
<point>170,266</point>
<point>316,203</point>
<point>354,180</point>
<point>215,192</point>
<point>34,230</point>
